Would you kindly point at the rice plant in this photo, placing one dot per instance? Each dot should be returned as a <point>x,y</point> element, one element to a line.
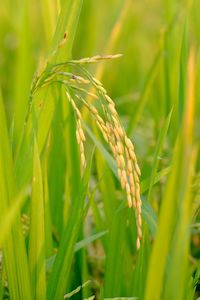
<point>99,150</point>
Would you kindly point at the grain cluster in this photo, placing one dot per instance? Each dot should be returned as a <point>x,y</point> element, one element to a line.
<point>80,87</point>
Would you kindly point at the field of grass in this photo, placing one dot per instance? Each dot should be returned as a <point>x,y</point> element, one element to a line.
<point>99,149</point>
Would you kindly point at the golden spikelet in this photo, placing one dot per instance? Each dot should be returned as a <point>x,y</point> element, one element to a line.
<point>95,59</point>
<point>80,136</point>
<point>107,120</point>
<point>122,149</point>
<point>124,154</point>
<point>25,220</point>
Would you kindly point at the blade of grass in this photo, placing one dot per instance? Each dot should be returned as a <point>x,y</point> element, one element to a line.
<point>10,216</point>
<point>49,11</point>
<point>177,199</point>
<point>57,165</point>
<point>60,273</point>
<point>117,271</point>
<point>179,264</point>
<point>77,290</point>
<point>47,214</point>
<point>183,77</point>
<point>65,30</point>
<point>78,246</point>
<point>166,70</point>
<point>167,217</point>
<point>13,248</point>
<point>157,154</point>
<point>37,231</point>
<point>23,71</point>
<point>141,266</point>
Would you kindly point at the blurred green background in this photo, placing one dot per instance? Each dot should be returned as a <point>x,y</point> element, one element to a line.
<point>155,86</point>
